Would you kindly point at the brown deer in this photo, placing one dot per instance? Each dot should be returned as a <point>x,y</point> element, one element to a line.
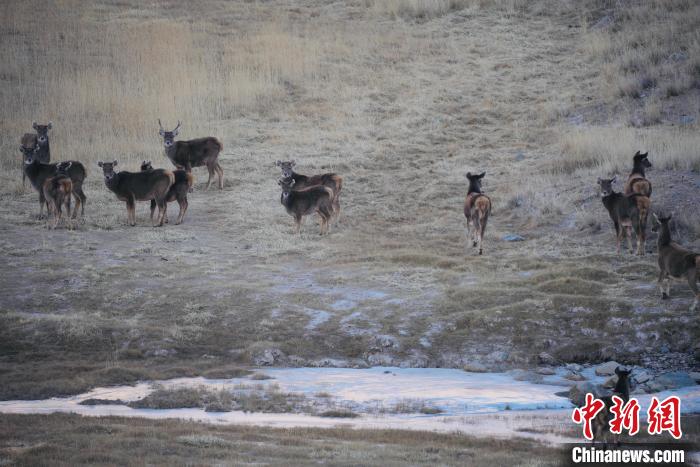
<point>636,182</point>
<point>675,261</point>
<point>57,192</point>
<point>299,203</point>
<point>477,209</point>
<point>139,186</point>
<point>601,422</point>
<point>330,180</point>
<point>29,142</point>
<point>177,192</point>
<point>37,173</point>
<point>42,138</point>
<point>627,213</point>
<point>194,153</point>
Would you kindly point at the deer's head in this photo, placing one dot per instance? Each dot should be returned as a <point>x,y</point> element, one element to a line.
<point>42,132</point>
<point>287,185</point>
<point>475,181</point>
<point>658,221</point>
<point>642,159</point>
<point>622,373</point>
<point>287,168</point>
<point>108,169</point>
<point>168,136</point>
<point>29,154</point>
<point>146,165</point>
<point>606,186</point>
<point>63,167</point>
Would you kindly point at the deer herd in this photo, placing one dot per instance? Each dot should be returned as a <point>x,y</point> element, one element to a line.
<point>304,195</point>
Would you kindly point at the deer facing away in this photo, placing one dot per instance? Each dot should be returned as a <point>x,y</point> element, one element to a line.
<point>477,209</point>
<point>194,153</point>
<point>177,192</point>
<point>675,261</point>
<point>330,180</point>
<point>301,203</point>
<point>139,186</point>
<point>637,182</point>
<point>57,192</point>
<point>627,213</point>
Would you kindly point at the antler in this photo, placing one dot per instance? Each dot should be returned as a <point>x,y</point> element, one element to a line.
<point>160,124</point>
<point>178,126</point>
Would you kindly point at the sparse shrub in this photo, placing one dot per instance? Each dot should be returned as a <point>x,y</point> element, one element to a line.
<point>338,413</point>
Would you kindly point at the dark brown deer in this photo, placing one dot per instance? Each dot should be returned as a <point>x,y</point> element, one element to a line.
<point>29,142</point>
<point>37,173</point>
<point>675,261</point>
<point>637,182</point>
<point>601,422</point>
<point>42,138</point>
<point>330,180</point>
<point>477,209</point>
<point>307,201</point>
<point>57,192</point>
<point>177,192</point>
<point>627,213</point>
<point>139,186</point>
<point>194,153</point>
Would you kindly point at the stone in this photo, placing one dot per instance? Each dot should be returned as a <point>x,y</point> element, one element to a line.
<point>513,238</point>
<point>577,392</point>
<point>695,375</point>
<point>475,367</point>
<point>641,376</point>
<point>674,380</point>
<point>268,357</point>
<point>546,359</point>
<point>545,370</point>
<point>610,382</point>
<point>607,368</point>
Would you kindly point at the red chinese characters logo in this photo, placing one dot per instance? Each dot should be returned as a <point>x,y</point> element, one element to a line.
<point>587,413</point>
<point>665,416</point>
<point>624,416</point>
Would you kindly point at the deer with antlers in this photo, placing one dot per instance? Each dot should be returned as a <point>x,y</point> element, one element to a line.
<point>194,153</point>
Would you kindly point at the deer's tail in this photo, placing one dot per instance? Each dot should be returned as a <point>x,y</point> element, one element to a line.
<point>190,180</point>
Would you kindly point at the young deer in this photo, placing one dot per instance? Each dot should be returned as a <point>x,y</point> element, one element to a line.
<point>177,192</point>
<point>636,182</point>
<point>675,261</point>
<point>626,212</point>
<point>601,422</point>
<point>37,173</point>
<point>330,180</point>
<point>57,192</point>
<point>139,186</point>
<point>28,142</point>
<point>194,153</point>
<point>477,209</point>
<point>307,201</point>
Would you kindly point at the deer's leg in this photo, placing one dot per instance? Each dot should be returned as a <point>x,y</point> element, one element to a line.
<point>68,217</point>
<point>475,231</point>
<point>162,208</point>
<point>693,283</point>
<point>153,208</point>
<point>220,173</point>
<point>481,238</point>
<point>42,202</point>
<point>212,170</point>
<point>336,207</point>
<point>131,212</point>
<point>628,229</point>
<point>182,202</point>
<point>297,221</point>
<point>83,199</point>
<point>57,211</point>
<point>662,275</point>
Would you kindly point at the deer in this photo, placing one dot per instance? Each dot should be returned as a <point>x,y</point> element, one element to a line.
<point>601,422</point>
<point>139,186</point>
<point>177,192</point>
<point>28,141</point>
<point>57,192</point>
<point>627,213</point>
<point>330,180</point>
<point>194,153</point>
<point>477,209</point>
<point>42,138</point>
<point>299,203</point>
<point>636,182</point>
<point>37,173</point>
<point>675,261</point>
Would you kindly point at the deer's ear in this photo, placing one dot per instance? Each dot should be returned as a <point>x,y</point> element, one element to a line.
<point>293,163</point>
<point>617,371</point>
<point>656,218</point>
<point>469,174</point>
<point>50,125</point>
<point>175,132</point>
<point>34,125</point>
<point>114,164</point>
<point>614,179</point>
<point>161,132</point>
<point>99,163</point>
<point>646,154</point>
<point>482,174</point>
<point>21,149</point>
<point>637,153</point>
<point>278,163</point>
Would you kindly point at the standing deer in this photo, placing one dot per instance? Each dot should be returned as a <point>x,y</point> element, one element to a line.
<point>675,261</point>
<point>194,153</point>
<point>57,192</point>
<point>139,186</point>
<point>42,138</point>
<point>29,142</point>
<point>177,192</point>
<point>601,422</point>
<point>626,212</point>
<point>307,201</point>
<point>37,173</point>
<point>330,180</point>
<point>636,182</point>
<point>477,209</point>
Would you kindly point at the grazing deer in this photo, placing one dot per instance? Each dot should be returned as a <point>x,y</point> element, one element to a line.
<point>194,153</point>
<point>177,192</point>
<point>28,141</point>
<point>675,261</point>
<point>477,209</point>
<point>299,203</point>
<point>37,173</point>
<point>139,186</point>
<point>330,180</point>
<point>626,212</point>
<point>57,192</point>
<point>636,182</point>
<point>601,422</point>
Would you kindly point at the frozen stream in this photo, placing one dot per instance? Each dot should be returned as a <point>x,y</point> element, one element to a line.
<point>483,404</point>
